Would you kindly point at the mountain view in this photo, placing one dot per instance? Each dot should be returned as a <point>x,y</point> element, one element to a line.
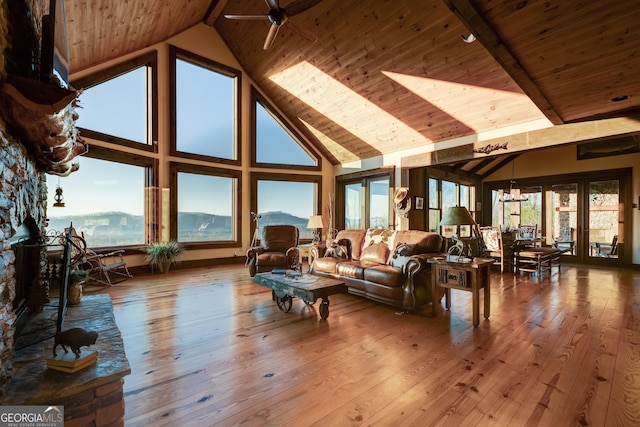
<point>121,229</point>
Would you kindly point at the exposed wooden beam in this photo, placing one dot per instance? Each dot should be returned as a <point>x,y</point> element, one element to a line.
<point>215,9</point>
<point>501,164</point>
<point>481,165</point>
<point>487,36</point>
<point>541,138</point>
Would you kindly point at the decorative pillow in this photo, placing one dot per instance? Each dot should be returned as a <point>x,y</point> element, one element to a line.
<point>338,249</point>
<point>402,253</point>
<point>377,252</point>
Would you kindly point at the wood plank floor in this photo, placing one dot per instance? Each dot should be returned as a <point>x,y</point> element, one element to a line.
<point>209,347</point>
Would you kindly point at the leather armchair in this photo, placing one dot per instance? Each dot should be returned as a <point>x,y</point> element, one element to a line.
<point>278,249</point>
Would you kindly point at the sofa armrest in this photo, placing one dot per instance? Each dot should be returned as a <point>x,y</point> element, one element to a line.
<point>252,253</point>
<point>417,280</point>
<point>317,251</point>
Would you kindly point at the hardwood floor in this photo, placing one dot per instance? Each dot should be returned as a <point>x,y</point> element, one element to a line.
<point>209,347</point>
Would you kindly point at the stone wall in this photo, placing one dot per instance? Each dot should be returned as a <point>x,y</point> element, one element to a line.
<point>22,186</point>
<point>22,193</point>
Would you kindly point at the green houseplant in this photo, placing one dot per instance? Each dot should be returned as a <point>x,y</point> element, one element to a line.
<point>164,254</point>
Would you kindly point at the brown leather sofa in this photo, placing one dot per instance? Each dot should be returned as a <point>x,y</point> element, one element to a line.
<point>388,266</point>
<point>278,249</point>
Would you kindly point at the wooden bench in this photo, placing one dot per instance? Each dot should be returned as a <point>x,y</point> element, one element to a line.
<point>537,260</point>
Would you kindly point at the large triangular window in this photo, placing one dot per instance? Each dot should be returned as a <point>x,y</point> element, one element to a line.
<point>275,143</point>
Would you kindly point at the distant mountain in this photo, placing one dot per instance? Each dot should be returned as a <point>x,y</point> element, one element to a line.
<point>119,228</point>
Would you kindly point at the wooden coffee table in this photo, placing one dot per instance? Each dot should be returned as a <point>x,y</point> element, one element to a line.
<point>307,287</point>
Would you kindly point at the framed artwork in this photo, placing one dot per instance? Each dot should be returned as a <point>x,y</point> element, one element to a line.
<point>419,203</point>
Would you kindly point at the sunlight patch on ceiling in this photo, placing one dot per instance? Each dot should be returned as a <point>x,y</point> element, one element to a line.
<point>482,109</point>
<point>337,150</point>
<point>360,117</point>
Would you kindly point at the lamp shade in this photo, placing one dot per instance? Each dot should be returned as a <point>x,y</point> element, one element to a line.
<point>315,221</point>
<point>457,215</point>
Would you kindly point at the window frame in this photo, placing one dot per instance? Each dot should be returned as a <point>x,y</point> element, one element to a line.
<point>176,53</point>
<point>270,176</point>
<point>472,198</point>
<point>256,97</point>
<point>363,178</point>
<point>174,168</point>
<point>149,60</point>
<point>151,221</point>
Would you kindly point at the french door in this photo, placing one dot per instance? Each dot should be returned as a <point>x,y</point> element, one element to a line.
<point>588,219</point>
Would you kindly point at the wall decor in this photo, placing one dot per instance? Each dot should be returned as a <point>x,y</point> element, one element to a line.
<point>419,203</point>
<point>608,147</point>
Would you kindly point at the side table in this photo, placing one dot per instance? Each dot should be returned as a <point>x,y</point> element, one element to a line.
<point>466,274</point>
<point>305,252</point>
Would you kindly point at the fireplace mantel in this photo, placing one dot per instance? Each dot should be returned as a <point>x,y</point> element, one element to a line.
<point>91,396</point>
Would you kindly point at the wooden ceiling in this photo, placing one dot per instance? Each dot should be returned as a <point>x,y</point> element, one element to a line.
<point>389,75</point>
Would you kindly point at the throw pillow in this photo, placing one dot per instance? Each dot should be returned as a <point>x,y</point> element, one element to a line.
<point>402,253</point>
<point>378,253</point>
<point>338,249</point>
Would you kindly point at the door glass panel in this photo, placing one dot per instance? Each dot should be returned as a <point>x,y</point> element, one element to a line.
<point>604,203</point>
<point>379,203</point>
<point>564,211</point>
<point>352,206</point>
<point>531,209</point>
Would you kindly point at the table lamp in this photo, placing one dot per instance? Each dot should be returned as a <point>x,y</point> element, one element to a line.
<point>316,222</point>
<point>458,215</point>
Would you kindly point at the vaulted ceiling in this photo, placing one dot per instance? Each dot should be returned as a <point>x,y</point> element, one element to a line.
<point>389,75</point>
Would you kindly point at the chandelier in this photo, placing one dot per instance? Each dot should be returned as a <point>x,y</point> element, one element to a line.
<point>514,194</point>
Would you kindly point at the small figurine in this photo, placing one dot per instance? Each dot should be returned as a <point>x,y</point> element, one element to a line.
<point>74,338</point>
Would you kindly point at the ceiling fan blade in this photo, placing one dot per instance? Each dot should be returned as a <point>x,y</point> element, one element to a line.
<point>273,4</point>
<point>273,32</point>
<point>299,6</point>
<point>303,32</point>
<point>247,17</point>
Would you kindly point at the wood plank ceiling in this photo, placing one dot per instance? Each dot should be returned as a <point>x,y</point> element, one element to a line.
<point>388,75</point>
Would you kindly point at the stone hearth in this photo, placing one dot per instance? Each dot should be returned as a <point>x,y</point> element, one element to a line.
<point>92,396</point>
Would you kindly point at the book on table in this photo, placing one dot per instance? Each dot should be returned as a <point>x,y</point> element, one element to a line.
<point>68,362</point>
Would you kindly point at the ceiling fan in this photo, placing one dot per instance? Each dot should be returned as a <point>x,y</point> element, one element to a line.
<point>278,16</point>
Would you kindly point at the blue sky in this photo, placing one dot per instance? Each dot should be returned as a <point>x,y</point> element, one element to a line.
<point>205,111</point>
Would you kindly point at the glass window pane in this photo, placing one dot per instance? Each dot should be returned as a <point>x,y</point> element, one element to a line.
<point>434,220</point>
<point>604,216</point>
<point>531,209</point>
<point>564,220</point>
<point>274,144</point>
<point>287,202</point>
<point>434,200</point>
<point>205,111</point>
<point>353,206</point>
<point>205,208</point>
<point>464,196</point>
<point>379,203</point>
<point>105,201</point>
<point>449,195</point>
<point>117,107</point>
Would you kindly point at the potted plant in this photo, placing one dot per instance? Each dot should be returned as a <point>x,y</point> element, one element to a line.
<point>164,254</point>
<point>77,278</point>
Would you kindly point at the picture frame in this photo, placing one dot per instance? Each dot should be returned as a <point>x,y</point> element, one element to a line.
<point>419,203</point>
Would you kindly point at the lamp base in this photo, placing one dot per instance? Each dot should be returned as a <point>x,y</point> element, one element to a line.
<point>316,238</point>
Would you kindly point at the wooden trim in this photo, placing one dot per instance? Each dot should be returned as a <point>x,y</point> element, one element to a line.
<point>266,176</point>
<point>363,176</point>
<point>177,53</point>
<point>256,97</point>
<point>541,138</point>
